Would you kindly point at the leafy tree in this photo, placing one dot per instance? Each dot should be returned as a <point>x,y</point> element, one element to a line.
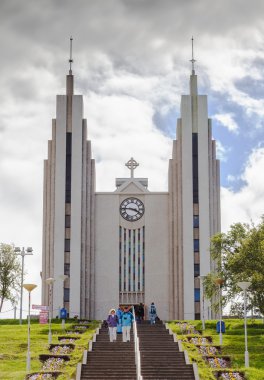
<point>239,256</point>
<point>10,274</point>
<point>237,309</point>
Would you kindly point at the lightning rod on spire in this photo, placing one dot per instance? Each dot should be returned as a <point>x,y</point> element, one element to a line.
<point>70,60</point>
<point>192,60</point>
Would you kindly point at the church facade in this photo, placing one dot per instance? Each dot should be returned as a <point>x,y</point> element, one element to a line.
<point>131,245</point>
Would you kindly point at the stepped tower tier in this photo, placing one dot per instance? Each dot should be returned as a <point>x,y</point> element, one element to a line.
<point>194,204</point>
<point>68,221</point>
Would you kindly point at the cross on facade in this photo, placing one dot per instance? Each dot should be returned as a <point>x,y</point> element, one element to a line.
<point>132,165</point>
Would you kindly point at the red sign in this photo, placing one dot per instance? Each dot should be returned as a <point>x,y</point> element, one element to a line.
<point>43,317</point>
<point>40,307</point>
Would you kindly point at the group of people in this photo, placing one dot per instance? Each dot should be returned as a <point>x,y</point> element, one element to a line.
<point>120,321</point>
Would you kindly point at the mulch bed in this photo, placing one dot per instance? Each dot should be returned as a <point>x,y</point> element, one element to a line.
<point>226,358</point>
<point>54,374</point>
<point>218,374</point>
<point>209,338</point>
<point>44,357</point>
<point>67,337</point>
<point>72,346</point>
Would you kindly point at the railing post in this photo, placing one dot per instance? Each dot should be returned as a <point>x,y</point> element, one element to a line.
<point>136,343</point>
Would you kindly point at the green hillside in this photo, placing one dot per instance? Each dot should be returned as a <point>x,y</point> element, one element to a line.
<point>13,347</point>
<point>233,346</point>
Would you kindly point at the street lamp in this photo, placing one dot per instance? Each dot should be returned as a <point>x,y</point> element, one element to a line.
<point>244,285</point>
<point>22,253</point>
<point>219,282</point>
<point>50,281</point>
<point>202,291</point>
<point>29,288</point>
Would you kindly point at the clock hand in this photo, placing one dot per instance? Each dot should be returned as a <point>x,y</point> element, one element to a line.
<point>132,209</point>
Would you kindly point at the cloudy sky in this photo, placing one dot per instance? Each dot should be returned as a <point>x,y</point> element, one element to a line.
<point>131,63</point>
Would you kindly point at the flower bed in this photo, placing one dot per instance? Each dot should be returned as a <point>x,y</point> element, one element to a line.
<point>67,339</point>
<point>230,375</point>
<point>70,332</point>
<point>61,350</point>
<point>199,340</point>
<point>84,322</point>
<point>209,350</point>
<point>218,362</point>
<point>186,328</point>
<point>44,357</point>
<point>80,327</point>
<point>42,376</point>
<point>53,364</point>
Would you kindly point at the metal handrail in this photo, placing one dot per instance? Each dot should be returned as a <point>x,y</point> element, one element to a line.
<point>137,352</point>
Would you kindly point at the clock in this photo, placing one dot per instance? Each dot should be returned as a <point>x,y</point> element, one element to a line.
<point>132,209</point>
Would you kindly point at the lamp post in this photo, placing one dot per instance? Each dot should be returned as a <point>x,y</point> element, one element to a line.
<point>202,291</point>
<point>22,253</point>
<point>244,285</point>
<point>219,282</point>
<point>29,288</point>
<point>50,281</point>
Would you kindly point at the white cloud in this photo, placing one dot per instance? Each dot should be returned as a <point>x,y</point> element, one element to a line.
<point>247,203</point>
<point>222,151</point>
<point>116,137</point>
<point>227,120</point>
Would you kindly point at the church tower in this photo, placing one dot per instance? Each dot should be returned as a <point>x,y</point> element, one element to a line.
<point>69,186</point>
<point>194,198</point>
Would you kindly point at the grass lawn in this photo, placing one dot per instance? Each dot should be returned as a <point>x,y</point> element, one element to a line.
<point>233,345</point>
<point>13,347</point>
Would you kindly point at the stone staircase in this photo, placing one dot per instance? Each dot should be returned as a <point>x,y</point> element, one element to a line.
<point>110,360</point>
<point>160,355</point>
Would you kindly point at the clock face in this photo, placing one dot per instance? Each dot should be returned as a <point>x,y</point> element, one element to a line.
<point>132,209</point>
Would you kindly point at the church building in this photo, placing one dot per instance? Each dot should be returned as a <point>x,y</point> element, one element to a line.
<point>131,245</point>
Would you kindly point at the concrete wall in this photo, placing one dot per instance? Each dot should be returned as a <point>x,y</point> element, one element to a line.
<point>106,253</point>
<point>157,253</point>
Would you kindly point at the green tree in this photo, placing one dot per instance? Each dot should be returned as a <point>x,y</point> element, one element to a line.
<point>239,256</point>
<point>10,274</point>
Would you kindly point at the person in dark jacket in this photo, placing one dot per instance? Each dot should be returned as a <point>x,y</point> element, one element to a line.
<point>141,312</point>
<point>112,321</point>
<point>152,313</point>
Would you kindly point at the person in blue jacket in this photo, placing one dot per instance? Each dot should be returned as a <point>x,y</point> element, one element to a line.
<point>127,320</point>
<point>119,314</point>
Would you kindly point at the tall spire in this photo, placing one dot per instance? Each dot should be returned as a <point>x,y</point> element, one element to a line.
<point>69,81</point>
<point>192,60</point>
<point>193,78</point>
<point>70,60</point>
